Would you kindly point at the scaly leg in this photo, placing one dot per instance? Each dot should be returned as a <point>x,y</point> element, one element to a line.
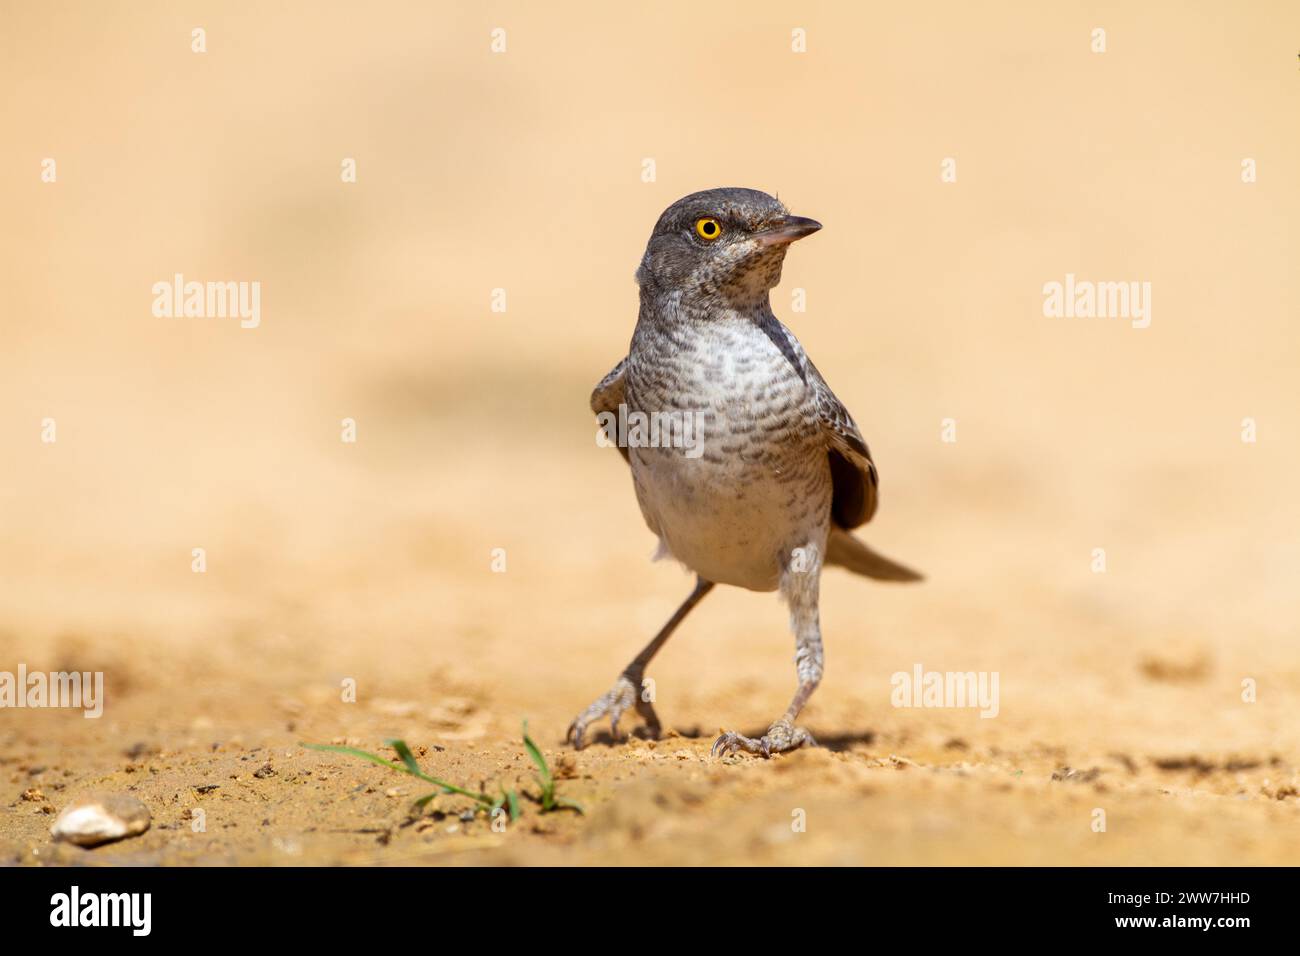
<point>627,689</point>
<point>800,588</point>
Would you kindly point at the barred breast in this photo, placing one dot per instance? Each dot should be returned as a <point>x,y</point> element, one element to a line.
<point>756,483</point>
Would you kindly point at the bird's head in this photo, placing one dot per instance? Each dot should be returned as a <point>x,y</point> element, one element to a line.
<point>721,244</point>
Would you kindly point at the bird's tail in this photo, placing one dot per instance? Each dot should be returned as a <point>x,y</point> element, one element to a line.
<point>848,552</point>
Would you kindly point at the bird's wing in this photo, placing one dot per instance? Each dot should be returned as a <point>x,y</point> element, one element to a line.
<point>853,474</point>
<point>608,396</point>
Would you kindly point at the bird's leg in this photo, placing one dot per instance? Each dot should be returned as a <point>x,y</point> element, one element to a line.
<point>627,690</point>
<point>800,581</point>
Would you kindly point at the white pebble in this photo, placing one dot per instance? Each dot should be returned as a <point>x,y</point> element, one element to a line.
<point>101,818</point>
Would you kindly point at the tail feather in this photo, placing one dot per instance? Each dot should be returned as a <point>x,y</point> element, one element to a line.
<point>848,552</point>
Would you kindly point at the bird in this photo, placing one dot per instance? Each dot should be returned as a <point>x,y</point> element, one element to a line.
<point>756,472</point>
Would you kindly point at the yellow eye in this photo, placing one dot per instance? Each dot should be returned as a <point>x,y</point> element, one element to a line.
<point>708,228</point>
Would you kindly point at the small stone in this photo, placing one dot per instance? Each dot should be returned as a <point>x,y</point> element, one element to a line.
<point>1077,776</point>
<point>101,818</point>
<point>566,767</point>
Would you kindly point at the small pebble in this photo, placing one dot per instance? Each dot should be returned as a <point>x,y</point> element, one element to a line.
<point>101,818</point>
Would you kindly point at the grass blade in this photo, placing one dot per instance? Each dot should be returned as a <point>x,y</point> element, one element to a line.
<point>567,804</point>
<point>408,766</point>
<point>353,751</point>
<point>408,758</point>
<point>543,771</point>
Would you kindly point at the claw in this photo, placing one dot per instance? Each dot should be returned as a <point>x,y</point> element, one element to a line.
<point>728,744</point>
<point>779,738</point>
<point>612,704</point>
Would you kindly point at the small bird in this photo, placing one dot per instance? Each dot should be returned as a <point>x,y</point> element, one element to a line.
<point>756,471</point>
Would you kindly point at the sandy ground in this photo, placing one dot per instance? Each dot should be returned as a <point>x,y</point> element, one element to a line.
<point>372,562</point>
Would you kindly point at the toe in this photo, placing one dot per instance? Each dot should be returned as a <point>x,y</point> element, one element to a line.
<point>732,742</point>
<point>612,705</point>
<point>577,732</point>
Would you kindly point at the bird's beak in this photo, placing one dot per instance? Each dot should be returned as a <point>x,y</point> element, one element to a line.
<point>785,231</point>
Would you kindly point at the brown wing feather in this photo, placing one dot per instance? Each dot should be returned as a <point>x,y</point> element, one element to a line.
<point>609,395</point>
<point>853,474</point>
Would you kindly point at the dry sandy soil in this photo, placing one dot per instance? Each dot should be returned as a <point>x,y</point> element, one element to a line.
<point>372,561</point>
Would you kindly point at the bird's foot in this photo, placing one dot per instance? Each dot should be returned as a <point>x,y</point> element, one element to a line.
<point>625,693</point>
<point>780,737</point>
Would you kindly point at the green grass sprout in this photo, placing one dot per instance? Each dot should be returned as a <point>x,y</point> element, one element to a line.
<point>547,798</point>
<point>507,800</point>
<point>410,766</point>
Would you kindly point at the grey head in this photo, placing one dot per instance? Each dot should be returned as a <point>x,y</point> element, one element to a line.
<point>720,247</point>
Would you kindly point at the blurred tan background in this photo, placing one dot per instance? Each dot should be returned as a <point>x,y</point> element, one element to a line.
<point>522,170</point>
